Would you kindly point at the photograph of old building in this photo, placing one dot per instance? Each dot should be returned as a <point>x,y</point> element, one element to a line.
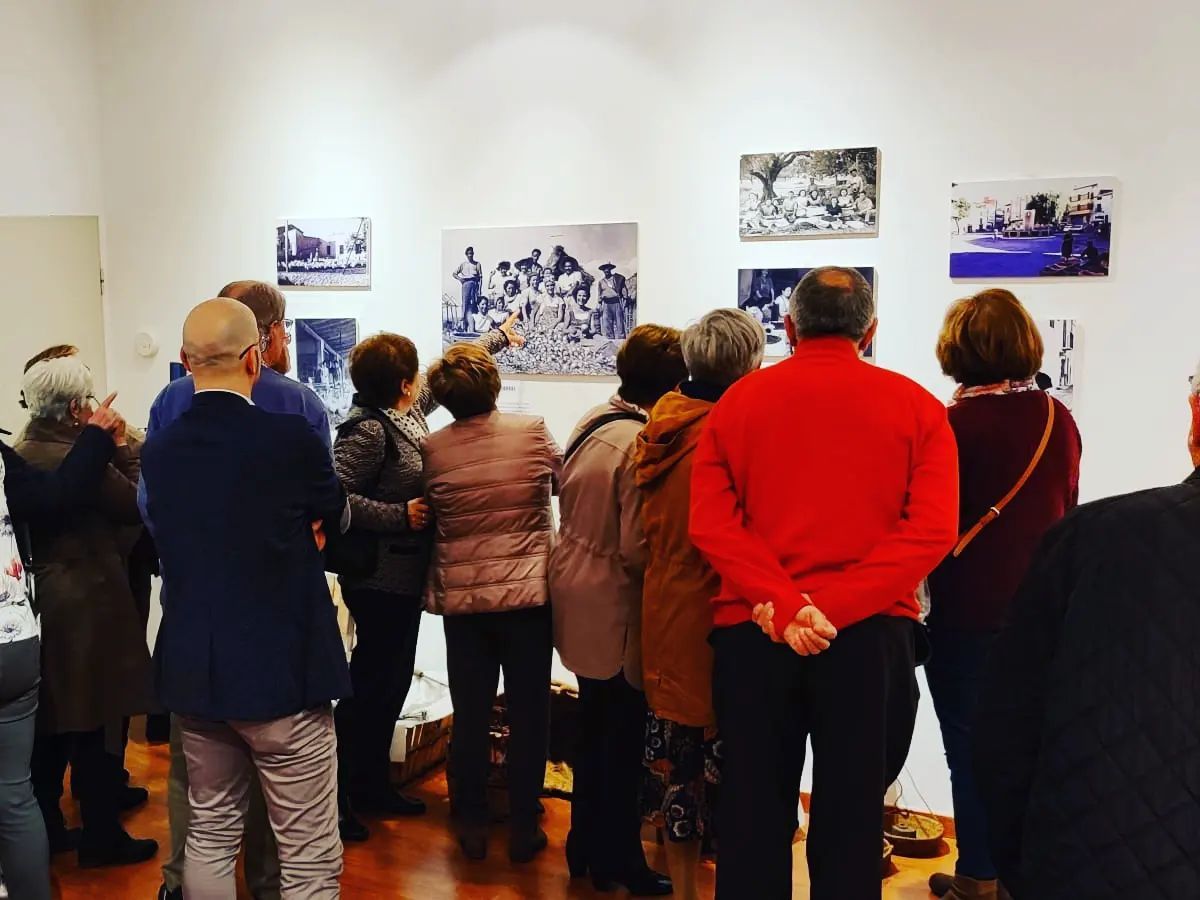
<point>323,253</point>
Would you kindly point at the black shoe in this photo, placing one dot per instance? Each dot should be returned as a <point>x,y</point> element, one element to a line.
<point>63,840</point>
<point>352,830</point>
<point>646,883</point>
<point>940,884</point>
<point>123,851</point>
<point>474,845</point>
<point>389,803</point>
<point>524,847</point>
<point>166,894</point>
<point>130,798</point>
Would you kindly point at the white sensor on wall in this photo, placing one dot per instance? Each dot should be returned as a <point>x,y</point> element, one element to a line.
<point>144,345</point>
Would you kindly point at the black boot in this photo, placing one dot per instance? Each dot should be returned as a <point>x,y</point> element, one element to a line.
<point>117,850</point>
<point>525,844</point>
<point>130,798</point>
<point>386,801</point>
<point>646,883</point>
<point>474,842</point>
<point>350,827</point>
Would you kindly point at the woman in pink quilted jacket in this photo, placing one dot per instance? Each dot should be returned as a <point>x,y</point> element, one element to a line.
<point>489,477</point>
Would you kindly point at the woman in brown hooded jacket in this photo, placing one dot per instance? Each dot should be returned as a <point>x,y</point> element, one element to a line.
<point>681,745</point>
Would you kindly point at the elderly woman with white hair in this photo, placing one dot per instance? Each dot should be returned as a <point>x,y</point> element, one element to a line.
<point>95,664</point>
<point>29,495</point>
<point>681,741</point>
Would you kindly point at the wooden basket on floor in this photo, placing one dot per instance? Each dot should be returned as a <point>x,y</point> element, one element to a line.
<point>427,744</point>
<point>913,835</point>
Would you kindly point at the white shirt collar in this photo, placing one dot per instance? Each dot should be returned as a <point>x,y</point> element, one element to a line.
<point>224,391</point>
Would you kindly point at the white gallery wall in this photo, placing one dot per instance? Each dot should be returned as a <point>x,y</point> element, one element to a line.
<point>49,166</point>
<point>49,110</point>
<point>216,119</point>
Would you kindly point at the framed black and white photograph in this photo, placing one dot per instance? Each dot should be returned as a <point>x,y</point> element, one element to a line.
<point>809,194</point>
<point>1062,340</point>
<point>333,254</point>
<point>572,288</point>
<point>322,350</point>
<point>765,293</point>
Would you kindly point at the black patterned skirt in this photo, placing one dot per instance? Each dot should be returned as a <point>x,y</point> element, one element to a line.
<point>682,776</point>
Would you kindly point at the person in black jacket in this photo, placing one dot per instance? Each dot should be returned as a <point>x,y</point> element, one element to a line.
<point>249,656</point>
<point>31,495</point>
<point>1088,737</point>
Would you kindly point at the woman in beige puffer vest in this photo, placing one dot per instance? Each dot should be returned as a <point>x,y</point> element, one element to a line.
<point>489,477</point>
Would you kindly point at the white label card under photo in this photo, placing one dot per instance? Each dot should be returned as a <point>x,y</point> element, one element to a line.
<point>512,398</point>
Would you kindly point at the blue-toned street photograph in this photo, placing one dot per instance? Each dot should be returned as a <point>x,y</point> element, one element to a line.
<point>1033,228</point>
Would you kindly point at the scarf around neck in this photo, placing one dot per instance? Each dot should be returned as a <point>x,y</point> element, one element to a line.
<point>408,425</point>
<point>990,390</point>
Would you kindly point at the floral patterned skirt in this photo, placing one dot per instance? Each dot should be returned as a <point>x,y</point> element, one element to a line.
<point>682,776</point>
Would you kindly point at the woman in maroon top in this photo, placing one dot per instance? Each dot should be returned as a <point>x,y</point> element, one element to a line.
<point>990,345</point>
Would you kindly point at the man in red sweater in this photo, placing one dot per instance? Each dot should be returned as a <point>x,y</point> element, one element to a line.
<point>819,561</point>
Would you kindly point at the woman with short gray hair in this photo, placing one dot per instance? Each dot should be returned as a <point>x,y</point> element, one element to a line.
<point>57,388</point>
<point>95,671</point>
<point>722,347</point>
<point>681,743</point>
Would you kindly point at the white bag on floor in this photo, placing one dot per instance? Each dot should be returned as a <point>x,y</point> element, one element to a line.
<point>428,700</point>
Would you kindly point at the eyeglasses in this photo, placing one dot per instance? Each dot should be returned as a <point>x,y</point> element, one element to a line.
<point>242,355</point>
<point>264,340</point>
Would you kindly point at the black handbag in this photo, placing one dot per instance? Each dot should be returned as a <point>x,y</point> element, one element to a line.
<point>355,554</point>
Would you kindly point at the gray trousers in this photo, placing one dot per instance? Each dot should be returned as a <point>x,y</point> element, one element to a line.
<point>296,761</point>
<point>24,854</point>
<point>262,856</point>
<point>612,319</point>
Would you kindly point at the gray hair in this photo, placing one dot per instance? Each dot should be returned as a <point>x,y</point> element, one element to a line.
<point>1196,381</point>
<point>723,346</point>
<point>832,302</point>
<point>51,386</point>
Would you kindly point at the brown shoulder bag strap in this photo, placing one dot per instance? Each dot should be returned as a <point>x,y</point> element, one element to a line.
<point>994,513</point>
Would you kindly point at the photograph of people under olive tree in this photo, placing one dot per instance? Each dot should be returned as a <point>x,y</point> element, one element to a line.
<point>810,193</point>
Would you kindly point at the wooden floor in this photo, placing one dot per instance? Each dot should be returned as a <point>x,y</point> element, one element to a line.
<point>414,859</point>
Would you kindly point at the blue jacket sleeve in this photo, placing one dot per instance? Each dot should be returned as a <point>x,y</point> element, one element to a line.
<point>318,418</point>
<point>152,425</point>
<point>325,494</point>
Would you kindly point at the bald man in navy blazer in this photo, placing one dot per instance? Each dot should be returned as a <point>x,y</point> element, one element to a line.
<point>249,655</point>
